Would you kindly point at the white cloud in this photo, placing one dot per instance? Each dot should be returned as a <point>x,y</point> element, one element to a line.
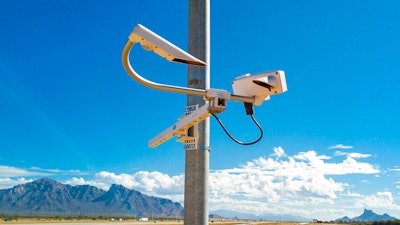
<point>11,176</point>
<point>396,168</point>
<point>279,152</point>
<point>10,171</point>
<point>340,153</point>
<point>341,146</point>
<point>352,194</point>
<point>354,155</point>
<point>380,200</point>
<point>257,186</point>
<point>152,183</point>
<point>273,180</point>
<point>349,166</point>
<point>8,182</point>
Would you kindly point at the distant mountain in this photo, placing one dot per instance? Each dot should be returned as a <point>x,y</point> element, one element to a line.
<point>368,215</point>
<point>46,196</point>
<point>345,219</point>
<point>269,216</point>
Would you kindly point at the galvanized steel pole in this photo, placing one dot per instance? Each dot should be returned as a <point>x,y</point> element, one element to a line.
<point>197,160</point>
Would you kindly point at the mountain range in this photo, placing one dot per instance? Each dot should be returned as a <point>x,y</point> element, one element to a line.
<point>48,197</point>
<point>368,215</point>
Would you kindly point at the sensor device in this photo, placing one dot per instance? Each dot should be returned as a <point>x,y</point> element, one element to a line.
<point>260,86</point>
<point>151,41</point>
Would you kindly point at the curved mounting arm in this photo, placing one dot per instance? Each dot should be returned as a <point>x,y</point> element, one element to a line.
<point>154,85</point>
<point>151,41</point>
<point>163,87</point>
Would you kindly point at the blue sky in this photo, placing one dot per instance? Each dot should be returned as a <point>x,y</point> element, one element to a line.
<point>70,112</point>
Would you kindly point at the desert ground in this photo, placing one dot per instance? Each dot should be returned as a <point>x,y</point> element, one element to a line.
<point>93,222</point>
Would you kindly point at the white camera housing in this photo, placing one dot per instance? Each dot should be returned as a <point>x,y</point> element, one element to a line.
<point>260,86</point>
<point>153,42</point>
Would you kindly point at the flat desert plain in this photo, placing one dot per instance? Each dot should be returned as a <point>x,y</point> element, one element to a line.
<point>94,222</point>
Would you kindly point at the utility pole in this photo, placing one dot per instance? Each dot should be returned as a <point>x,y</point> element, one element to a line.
<point>197,160</point>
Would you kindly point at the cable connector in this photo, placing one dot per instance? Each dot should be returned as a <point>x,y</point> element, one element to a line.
<point>249,108</point>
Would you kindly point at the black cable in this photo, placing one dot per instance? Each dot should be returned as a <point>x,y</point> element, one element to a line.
<point>239,142</point>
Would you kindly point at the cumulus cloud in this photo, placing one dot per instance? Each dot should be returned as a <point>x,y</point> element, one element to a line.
<point>295,181</point>
<point>341,146</point>
<point>279,152</point>
<point>303,175</point>
<point>152,183</point>
<point>349,166</point>
<point>382,200</point>
<point>352,194</point>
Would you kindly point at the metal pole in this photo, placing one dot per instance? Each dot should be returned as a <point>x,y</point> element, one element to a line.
<point>197,160</point>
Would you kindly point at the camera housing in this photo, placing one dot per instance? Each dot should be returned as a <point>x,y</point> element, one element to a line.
<point>153,42</point>
<point>260,86</point>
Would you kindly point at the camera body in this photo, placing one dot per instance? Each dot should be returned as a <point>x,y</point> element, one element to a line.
<point>260,86</point>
